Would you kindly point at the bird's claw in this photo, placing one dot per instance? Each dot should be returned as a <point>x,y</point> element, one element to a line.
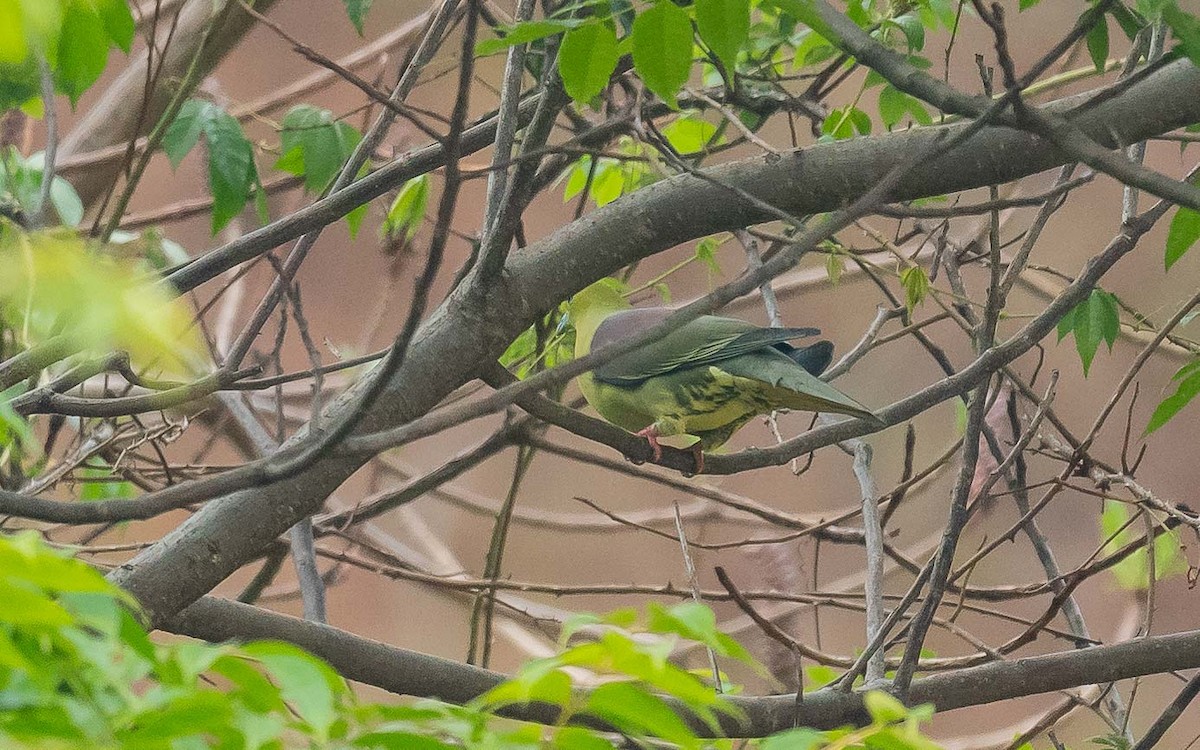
<point>651,436</point>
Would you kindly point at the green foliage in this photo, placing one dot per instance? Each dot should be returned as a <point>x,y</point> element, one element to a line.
<point>72,37</point>
<point>586,59</point>
<point>894,104</point>
<point>846,122</point>
<point>315,145</point>
<point>357,11</point>
<point>1186,28</point>
<point>232,174</point>
<point>1134,571</point>
<point>1184,231</point>
<point>1113,741</point>
<point>916,286</point>
<point>1095,319</point>
<point>690,134</point>
<point>407,212</point>
<point>724,26</point>
<point>612,178</point>
<point>523,33</point>
<point>662,49</point>
<point>18,444</point>
<point>77,669</point>
<point>57,284</point>
<point>100,482</point>
<point>1188,379</point>
<point>1097,43</point>
<point>706,253</point>
<point>21,184</point>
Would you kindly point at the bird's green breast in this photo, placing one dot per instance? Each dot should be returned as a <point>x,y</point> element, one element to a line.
<point>693,401</point>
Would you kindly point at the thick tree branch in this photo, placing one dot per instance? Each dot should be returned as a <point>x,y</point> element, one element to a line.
<point>409,673</point>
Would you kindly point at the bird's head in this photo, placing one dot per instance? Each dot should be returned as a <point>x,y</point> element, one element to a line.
<point>591,306</point>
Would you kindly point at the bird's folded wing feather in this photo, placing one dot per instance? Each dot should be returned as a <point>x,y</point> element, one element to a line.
<point>707,340</point>
<point>791,386</point>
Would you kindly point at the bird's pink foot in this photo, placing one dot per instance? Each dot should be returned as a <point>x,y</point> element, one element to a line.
<point>698,455</point>
<point>651,435</point>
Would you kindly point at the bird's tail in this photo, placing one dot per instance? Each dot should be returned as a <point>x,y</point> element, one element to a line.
<point>790,387</point>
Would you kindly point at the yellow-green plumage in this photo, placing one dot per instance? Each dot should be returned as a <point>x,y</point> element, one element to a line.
<point>706,379</point>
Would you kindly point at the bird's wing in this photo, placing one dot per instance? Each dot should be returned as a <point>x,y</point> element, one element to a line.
<point>704,341</point>
<point>786,385</point>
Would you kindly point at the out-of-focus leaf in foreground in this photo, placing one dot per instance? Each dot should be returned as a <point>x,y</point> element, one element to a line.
<point>54,283</point>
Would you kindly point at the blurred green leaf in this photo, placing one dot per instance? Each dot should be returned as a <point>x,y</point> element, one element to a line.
<point>724,25</point>
<point>309,685</point>
<point>56,283</point>
<point>662,49</point>
<point>522,33</point>
<point>586,60</point>
<point>1134,571</point>
<point>689,134</point>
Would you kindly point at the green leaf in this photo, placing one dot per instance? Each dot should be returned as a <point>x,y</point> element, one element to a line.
<point>55,282</point>
<point>1026,4</point>
<point>690,134</point>
<point>883,707</point>
<point>578,738</point>
<point>1097,43</point>
<point>1189,385</point>
<point>315,145</point>
<point>913,29</point>
<point>231,172</point>
<point>724,26</point>
<point>834,266</point>
<point>82,50</point>
<point>407,212</point>
<point>104,485</point>
<point>587,59</point>
<point>635,711</point>
<point>118,22</point>
<point>795,739</point>
<point>895,104</point>
<point>184,131</point>
<point>357,10</point>
<point>522,33</point>
<point>916,286</point>
<point>66,202</point>
<point>308,684</point>
<point>28,606</point>
<point>1128,20</point>
<point>1095,319</point>
<point>706,253</point>
<point>1134,571</point>
<point>1186,28</point>
<point>1184,231</point>
<point>819,675</point>
<point>662,49</point>
<point>696,622</point>
<point>846,122</point>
